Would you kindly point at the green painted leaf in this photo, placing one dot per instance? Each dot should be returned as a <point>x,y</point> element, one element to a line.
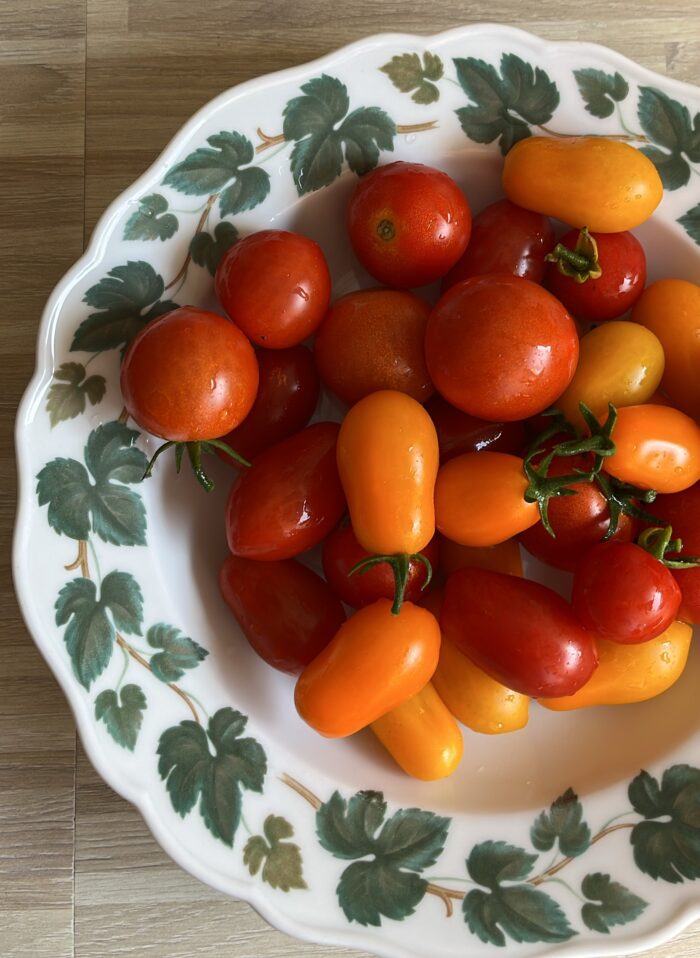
<point>66,397</point>
<point>520,912</point>
<point>668,124</point>
<point>369,890</point>
<point>121,594</point>
<point>118,515</point>
<point>319,125</point>
<point>179,652</point>
<point>491,863</point>
<point>601,91</point>
<point>503,105</point>
<point>690,222</point>
<point>563,822</point>
<point>121,298</point>
<point>111,454</point>
<point>618,905</point>
<point>151,221</point>
<point>89,634</point>
<point>248,190</point>
<point>667,844</point>
<point>407,73</point>
<point>282,860</point>
<point>64,485</point>
<point>207,250</point>
<point>346,829</point>
<point>412,838</point>
<point>209,169</point>
<point>192,772</point>
<point>122,713</point>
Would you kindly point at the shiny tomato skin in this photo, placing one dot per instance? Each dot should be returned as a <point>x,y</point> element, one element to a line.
<point>287,613</point>
<point>276,286</point>
<point>500,347</point>
<point>520,632</point>
<point>341,551</point>
<point>459,432</point>
<point>657,447</point>
<point>579,521</point>
<point>505,239</point>
<point>624,267</point>
<point>681,511</point>
<point>408,224</point>
<point>286,399</point>
<point>373,339</point>
<point>189,375</point>
<point>289,499</point>
<point>623,593</point>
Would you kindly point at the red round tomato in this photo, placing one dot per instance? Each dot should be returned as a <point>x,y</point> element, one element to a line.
<point>287,396</point>
<point>342,551</point>
<point>275,286</point>
<point>681,511</point>
<point>286,612</point>
<point>408,223</point>
<point>520,632</point>
<point>371,340</point>
<point>595,296</point>
<point>189,375</point>
<point>505,239</point>
<point>500,347</point>
<point>289,499</point>
<point>578,521</point>
<point>459,432</point>
<point>623,593</point>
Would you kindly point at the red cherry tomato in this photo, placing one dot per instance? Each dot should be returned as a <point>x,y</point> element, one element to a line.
<point>617,289</point>
<point>520,632</point>
<point>275,286</point>
<point>189,375</point>
<point>372,340</point>
<point>289,499</point>
<point>459,432</point>
<point>408,224</point>
<point>500,347</point>
<point>578,521</point>
<point>681,511</point>
<point>287,397</point>
<point>341,551</point>
<point>505,239</point>
<point>286,612</point>
<point>624,593</point>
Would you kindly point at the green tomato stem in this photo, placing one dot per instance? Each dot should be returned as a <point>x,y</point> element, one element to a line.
<point>658,541</point>
<point>580,263</point>
<point>400,566</point>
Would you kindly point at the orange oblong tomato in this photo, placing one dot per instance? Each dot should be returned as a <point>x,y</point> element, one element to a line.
<point>422,736</point>
<point>388,460</point>
<point>631,673</point>
<point>376,661</point>
<point>657,447</point>
<point>590,181</point>
<point>480,499</point>
<point>671,309</point>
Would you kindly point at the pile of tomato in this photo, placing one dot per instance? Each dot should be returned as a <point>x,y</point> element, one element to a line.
<point>545,398</point>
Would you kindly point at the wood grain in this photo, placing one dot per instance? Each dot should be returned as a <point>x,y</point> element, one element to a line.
<point>91,91</point>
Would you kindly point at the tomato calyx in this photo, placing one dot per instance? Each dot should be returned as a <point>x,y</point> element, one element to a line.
<point>386,230</point>
<point>400,565</point>
<point>658,541</point>
<point>580,263</point>
<point>194,448</point>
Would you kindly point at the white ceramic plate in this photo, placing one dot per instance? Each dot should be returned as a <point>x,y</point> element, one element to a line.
<point>579,835</point>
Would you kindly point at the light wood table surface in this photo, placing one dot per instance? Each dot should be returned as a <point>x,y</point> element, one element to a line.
<point>90,92</point>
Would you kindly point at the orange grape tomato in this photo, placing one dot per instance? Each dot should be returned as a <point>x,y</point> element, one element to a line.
<point>671,309</point>
<point>422,736</point>
<point>388,461</point>
<point>619,362</point>
<point>631,673</point>
<point>480,499</point>
<point>658,447</point>
<point>375,662</point>
<point>504,557</point>
<point>590,181</point>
